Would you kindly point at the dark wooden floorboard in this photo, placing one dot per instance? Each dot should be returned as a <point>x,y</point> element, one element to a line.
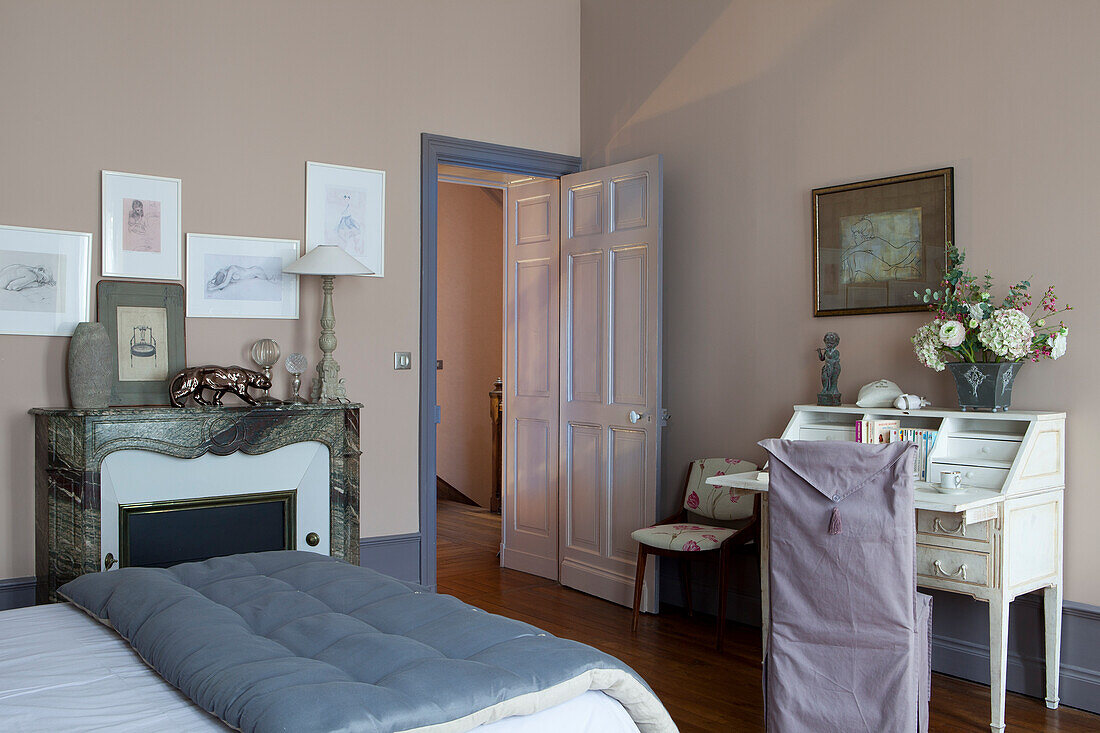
<point>703,690</point>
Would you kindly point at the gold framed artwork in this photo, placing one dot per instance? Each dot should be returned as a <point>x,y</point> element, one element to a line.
<point>876,242</point>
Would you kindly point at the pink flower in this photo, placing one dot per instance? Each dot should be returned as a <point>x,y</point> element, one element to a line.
<point>696,527</point>
<point>734,498</point>
<point>690,546</point>
<point>679,526</point>
<point>710,537</point>
<point>693,500</point>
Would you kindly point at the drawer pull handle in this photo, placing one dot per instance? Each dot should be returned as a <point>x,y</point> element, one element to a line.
<point>959,531</point>
<point>960,573</point>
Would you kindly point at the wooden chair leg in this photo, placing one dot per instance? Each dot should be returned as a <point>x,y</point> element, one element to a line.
<point>685,582</point>
<point>639,579</point>
<point>723,586</point>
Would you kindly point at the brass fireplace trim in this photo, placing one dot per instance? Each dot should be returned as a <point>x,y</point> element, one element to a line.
<point>287,497</point>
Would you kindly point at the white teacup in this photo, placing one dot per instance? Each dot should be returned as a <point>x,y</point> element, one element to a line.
<point>950,480</point>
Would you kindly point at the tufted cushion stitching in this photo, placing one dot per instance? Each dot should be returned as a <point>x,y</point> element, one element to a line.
<point>378,602</point>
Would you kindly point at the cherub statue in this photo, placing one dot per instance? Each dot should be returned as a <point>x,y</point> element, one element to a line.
<point>830,371</point>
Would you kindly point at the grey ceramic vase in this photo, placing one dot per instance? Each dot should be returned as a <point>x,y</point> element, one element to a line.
<point>985,386</point>
<point>90,366</point>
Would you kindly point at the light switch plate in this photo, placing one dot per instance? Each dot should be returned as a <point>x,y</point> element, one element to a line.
<point>402,360</point>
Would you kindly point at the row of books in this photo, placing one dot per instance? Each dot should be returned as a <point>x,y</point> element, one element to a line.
<point>891,431</point>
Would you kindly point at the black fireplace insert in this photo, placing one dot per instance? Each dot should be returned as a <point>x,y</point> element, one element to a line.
<point>165,533</point>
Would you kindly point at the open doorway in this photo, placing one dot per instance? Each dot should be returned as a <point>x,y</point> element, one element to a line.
<point>494,164</point>
<point>470,322</point>
<point>581,359</point>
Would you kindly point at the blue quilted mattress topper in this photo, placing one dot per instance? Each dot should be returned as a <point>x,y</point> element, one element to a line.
<point>297,641</point>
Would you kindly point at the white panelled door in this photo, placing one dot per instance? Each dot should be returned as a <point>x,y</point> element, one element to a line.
<point>530,541</point>
<point>609,429</point>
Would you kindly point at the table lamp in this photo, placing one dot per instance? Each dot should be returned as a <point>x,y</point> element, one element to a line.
<point>328,261</point>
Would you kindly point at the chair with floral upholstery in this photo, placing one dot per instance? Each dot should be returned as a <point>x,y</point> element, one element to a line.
<point>729,519</point>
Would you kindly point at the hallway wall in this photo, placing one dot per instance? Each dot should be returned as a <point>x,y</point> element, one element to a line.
<point>470,329</point>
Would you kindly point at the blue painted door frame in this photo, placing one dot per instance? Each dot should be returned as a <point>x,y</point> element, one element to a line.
<point>434,151</point>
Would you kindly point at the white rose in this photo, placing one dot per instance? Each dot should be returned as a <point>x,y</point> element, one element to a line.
<point>1058,343</point>
<point>952,334</point>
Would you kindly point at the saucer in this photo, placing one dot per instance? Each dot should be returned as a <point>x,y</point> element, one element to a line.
<point>942,490</point>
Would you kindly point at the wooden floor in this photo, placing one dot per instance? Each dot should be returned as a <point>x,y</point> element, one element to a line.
<point>703,690</point>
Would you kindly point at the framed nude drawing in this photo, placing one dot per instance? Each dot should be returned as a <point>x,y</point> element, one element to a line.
<point>141,226</point>
<point>45,281</point>
<point>876,242</point>
<point>240,277</point>
<point>145,324</point>
<point>347,206</point>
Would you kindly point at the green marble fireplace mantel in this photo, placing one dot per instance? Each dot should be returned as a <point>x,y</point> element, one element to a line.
<point>70,446</point>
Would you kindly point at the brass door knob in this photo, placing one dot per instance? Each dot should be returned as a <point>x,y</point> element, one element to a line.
<point>109,561</point>
<point>312,539</point>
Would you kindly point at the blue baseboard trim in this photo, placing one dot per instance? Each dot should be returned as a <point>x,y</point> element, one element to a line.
<point>16,592</point>
<point>396,555</point>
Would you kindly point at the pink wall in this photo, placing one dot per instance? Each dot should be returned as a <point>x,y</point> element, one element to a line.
<point>753,104</point>
<point>234,97</point>
<point>470,327</point>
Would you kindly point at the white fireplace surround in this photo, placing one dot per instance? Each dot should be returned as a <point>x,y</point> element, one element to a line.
<point>140,477</point>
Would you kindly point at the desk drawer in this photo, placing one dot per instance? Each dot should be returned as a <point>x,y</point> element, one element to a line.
<point>948,524</point>
<point>959,449</point>
<point>954,567</point>
<point>979,476</point>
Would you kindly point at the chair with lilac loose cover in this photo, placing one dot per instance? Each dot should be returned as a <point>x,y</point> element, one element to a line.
<point>847,647</point>
<point>729,518</point>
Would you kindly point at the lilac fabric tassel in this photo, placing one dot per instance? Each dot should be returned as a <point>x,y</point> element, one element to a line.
<point>834,522</point>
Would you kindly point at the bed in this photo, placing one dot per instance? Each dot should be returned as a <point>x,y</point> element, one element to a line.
<point>62,669</point>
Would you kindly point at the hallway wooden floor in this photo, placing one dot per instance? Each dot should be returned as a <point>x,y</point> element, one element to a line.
<point>703,690</point>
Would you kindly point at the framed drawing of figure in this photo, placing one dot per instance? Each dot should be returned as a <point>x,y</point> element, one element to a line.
<point>141,226</point>
<point>45,281</point>
<point>145,324</point>
<point>240,277</point>
<point>876,242</point>
<point>347,206</point>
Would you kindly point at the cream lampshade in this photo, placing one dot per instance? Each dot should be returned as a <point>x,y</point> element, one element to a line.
<point>328,261</point>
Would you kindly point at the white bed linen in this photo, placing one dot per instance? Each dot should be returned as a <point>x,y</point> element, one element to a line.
<point>60,670</point>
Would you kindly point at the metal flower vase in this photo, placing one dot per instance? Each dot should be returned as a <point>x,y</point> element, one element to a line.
<point>985,386</point>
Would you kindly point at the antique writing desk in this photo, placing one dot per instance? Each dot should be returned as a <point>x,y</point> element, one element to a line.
<point>999,539</point>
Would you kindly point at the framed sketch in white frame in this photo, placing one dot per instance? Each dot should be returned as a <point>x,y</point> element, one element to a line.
<point>240,277</point>
<point>347,206</point>
<point>45,281</point>
<point>142,235</point>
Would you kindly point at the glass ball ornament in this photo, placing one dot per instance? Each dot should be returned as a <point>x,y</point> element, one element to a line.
<point>265,353</point>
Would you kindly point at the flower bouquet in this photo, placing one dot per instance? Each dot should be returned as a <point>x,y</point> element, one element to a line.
<point>983,344</point>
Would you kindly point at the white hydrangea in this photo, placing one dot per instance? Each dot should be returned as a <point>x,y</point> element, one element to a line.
<point>1058,343</point>
<point>927,345</point>
<point>1007,333</point>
